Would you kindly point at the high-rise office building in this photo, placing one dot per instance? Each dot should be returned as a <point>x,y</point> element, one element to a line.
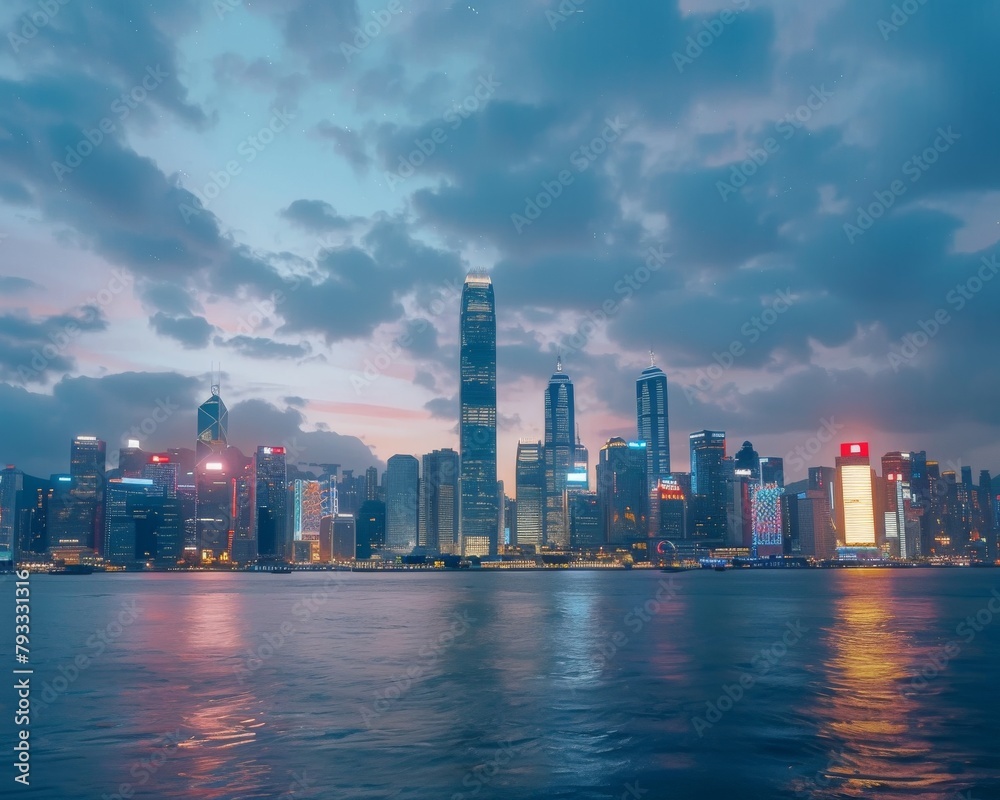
<point>816,534</point>
<point>371,483</point>
<point>766,523</point>
<point>31,514</point>
<point>747,460</point>
<point>479,509</point>
<point>623,491</point>
<point>708,485</point>
<point>438,523</point>
<point>370,529</point>
<point>307,510</point>
<point>343,544</point>
<point>131,459</point>
<point>11,482</point>
<point>672,509</point>
<point>856,503</point>
<point>559,454</point>
<point>739,516</point>
<point>79,523</point>
<point>585,526</point>
<point>530,491</point>
<point>214,479</point>
<point>652,421</point>
<point>269,493</point>
<point>402,492</point>
<point>772,470</point>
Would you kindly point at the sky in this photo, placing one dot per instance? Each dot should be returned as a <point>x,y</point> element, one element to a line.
<point>795,206</point>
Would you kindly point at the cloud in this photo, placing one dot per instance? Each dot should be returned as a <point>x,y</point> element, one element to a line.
<point>259,347</point>
<point>193,333</point>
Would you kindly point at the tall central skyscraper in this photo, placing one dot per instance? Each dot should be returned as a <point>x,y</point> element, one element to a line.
<point>530,487</point>
<point>652,422</point>
<point>480,507</point>
<point>214,488</point>
<point>559,452</point>
<point>269,503</point>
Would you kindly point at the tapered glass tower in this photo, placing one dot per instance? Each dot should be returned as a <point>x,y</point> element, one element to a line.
<point>478,420</point>
<point>560,449</point>
<point>652,421</point>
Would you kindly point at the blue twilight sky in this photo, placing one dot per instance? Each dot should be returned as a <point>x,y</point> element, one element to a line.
<point>296,188</point>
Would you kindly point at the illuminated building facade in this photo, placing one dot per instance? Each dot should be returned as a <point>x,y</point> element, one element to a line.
<point>479,509</point>
<point>402,493</point>
<point>856,497</point>
<point>530,490</point>
<point>708,485</point>
<point>652,422</point>
<point>623,491</point>
<point>765,515</point>
<point>307,510</point>
<point>269,493</point>
<point>215,486</point>
<point>438,523</point>
<point>671,509</point>
<point>559,454</point>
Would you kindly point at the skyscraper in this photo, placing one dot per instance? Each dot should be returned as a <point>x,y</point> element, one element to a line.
<point>11,482</point>
<point>438,523</point>
<point>80,525</point>
<point>480,511</point>
<point>623,491</point>
<point>708,485</point>
<point>855,496</point>
<point>747,460</point>
<point>402,483</point>
<point>765,512</point>
<point>370,529</point>
<point>269,493</point>
<point>652,421</point>
<point>559,454</point>
<point>214,477</point>
<point>530,490</point>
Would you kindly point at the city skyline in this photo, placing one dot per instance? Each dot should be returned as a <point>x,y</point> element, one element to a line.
<point>326,273</point>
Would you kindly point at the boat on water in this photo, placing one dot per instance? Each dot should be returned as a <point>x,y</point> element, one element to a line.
<point>73,569</point>
<point>720,567</point>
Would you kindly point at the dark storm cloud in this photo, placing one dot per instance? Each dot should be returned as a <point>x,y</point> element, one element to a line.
<point>123,46</point>
<point>255,422</point>
<point>317,216</point>
<point>11,284</point>
<point>192,332</point>
<point>259,347</point>
<point>158,409</point>
<point>34,350</point>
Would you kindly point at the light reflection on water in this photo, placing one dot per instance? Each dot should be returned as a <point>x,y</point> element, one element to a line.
<point>555,687</point>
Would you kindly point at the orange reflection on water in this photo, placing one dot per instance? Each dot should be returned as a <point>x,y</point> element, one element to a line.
<point>872,728</point>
